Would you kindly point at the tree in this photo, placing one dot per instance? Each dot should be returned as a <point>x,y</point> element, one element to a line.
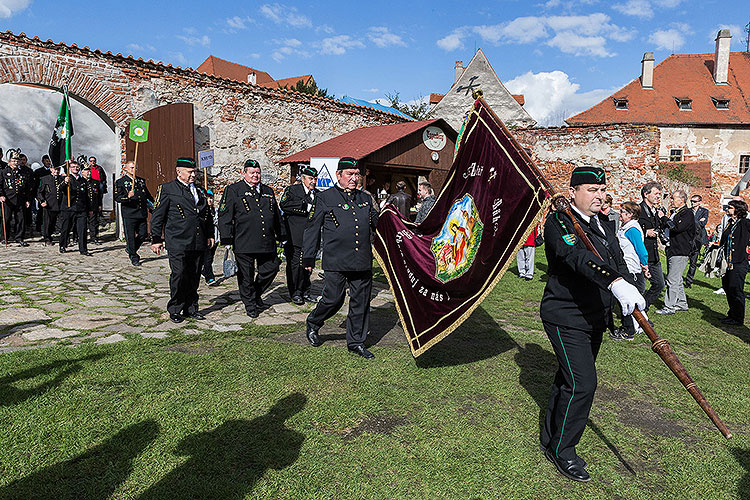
<point>309,88</point>
<point>418,108</point>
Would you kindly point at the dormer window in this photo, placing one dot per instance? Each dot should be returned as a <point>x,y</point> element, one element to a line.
<point>621,102</point>
<point>720,103</point>
<point>683,103</point>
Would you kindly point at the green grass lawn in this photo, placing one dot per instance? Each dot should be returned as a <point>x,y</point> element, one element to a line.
<point>242,415</point>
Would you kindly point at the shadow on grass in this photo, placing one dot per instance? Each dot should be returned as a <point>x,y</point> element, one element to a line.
<point>713,317</point>
<point>479,337</point>
<point>221,301</point>
<point>94,475</point>
<point>10,395</point>
<point>227,462</point>
<point>743,458</point>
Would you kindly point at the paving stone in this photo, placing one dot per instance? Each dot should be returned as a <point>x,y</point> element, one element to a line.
<point>122,328</point>
<point>236,318</point>
<point>273,320</point>
<point>192,331</point>
<point>154,335</point>
<point>57,307</point>
<point>18,315</point>
<point>226,328</point>
<point>112,339</point>
<point>48,333</point>
<point>145,321</point>
<point>102,302</point>
<point>299,317</point>
<point>86,321</point>
<point>168,325</point>
<point>285,307</point>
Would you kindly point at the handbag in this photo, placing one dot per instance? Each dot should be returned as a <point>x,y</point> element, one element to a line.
<point>539,240</point>
<point>229,266</point>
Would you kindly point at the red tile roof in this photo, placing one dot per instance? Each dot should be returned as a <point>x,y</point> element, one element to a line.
<point>520,99</point>
<point>233,71</point>
<point>436,98</point>
<point>290,82</point>
<point>362,141</point>
<point>679,76</point>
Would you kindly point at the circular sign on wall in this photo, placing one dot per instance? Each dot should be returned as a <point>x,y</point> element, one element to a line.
<point>434,138</point>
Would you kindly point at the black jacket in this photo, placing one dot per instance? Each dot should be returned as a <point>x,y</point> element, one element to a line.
<point>187,226</point>
<point>402,201</point>
<point>577,293</point>
<point>701,219</point>
<point>347,221</point>
<point>79,195</point>
<point>137,206</point>
<point>649,219</point>
<point>16,186</point>
<point>49,192</point>
<point>735,239</point>
<point>248,219</point>
<point>681,233</point>
<point>294,203</point>
<point>95,194</point>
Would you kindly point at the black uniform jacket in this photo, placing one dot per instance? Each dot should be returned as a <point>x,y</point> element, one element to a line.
<point>49,192</point>
<point>16,185</point>
<point>249,220</point>
<point>294,204</point>
<point>682,234</point>
<point>735,239</point>
<point>347,221</point>
<point>649,219</point>
<point>95,194</point>
<point>187,226</point>
<point>577,293</point>
<point>701,218</point>
<point>79,195</point>
<point>137,206</point>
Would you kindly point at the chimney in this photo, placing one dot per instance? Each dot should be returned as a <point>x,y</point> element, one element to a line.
<point>721,57</point>
<point>647,71</point>
<point>252,78</point>
<point>458,70</point>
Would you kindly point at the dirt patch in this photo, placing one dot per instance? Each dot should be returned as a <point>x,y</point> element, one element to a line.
<point>643,415</point>
<point>374,424</point>
<point>191,348</point>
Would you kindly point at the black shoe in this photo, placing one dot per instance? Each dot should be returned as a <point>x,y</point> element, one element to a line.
<point>297,299</point>
<point>176,318</point>
<point>309,298</point>
<point>196,315</point>
<point>97,242</point>
<point>23,243</point>
<point>62,250</point>
<point>543,449</point>
<point>260,305</point>
<point>87,254</point>
<point>360,350</point>
<point>312,336</point>
<point>253,314</point>
<point>731,321</point>
<point>572,469</point>
<point>135,262</point>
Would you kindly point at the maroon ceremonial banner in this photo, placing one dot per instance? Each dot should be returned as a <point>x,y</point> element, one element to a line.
<point>442,269</point>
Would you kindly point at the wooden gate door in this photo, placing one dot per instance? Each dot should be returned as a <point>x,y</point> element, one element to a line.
<point>170,136</point>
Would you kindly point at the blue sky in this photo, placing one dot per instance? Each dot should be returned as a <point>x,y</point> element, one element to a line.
<point>563,55</point>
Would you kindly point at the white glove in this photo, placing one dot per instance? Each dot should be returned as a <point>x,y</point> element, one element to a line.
<point>628,296</point>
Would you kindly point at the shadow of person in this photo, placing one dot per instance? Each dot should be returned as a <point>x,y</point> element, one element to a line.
<point>743,487</point>
<point>93,475</point>
<point>221,301</point>
<point>479,337</point>
<point>714,318</point>
<point>227,461</point>
<point>538,367</point>
<point>58,370</point>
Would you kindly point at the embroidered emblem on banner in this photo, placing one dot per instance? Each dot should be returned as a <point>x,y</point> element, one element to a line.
<point>457,243</point>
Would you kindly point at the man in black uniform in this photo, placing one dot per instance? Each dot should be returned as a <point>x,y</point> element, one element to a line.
<point>576,308</point>
<point>181,212</point>
<point>39,175</point>
<point>347,218</point>
<point>28,212</point>
<point>49,196</point>
<point>296,203</point>
<point>74,208</point>
<point>250,221</point>
<point>95,204</point>
<point>134,198</point>
<point>15,192</point>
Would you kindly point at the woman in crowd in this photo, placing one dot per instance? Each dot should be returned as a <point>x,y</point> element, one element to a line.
<point>734,240</point>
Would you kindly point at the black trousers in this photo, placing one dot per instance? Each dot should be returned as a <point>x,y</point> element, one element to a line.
<point>208,262</point>
<point>334,290</point>
<point>184,279</point>
<point>693,263</point>
<point>77,221</point>
<point>135,233</point>
<point>50,223</point>
<point>15,221</point>
<point>573,389</point>
<point>657,283</point>
<point>92,221</point>
<point>733,283</point>
<point>297,278</point>
<point>251,285</point>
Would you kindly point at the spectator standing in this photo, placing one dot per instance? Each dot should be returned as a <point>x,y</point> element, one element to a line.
<point>681,236</point>
<point>610,215</point>
<point>525,256</point>
<point>735,240</point>
<point>400,199</point>
<point>651,220</point>
<point>701,236</point>
<point>427,195</point>
<point>98,174</point>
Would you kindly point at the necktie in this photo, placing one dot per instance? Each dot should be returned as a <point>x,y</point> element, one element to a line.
<point>194,192</point>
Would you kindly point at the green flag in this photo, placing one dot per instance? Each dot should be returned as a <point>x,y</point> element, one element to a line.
<point>138,130</point>
<point>59,145</point>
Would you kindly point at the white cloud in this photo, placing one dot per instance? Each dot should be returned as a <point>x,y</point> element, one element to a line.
<point>578,35</point>
<point>635,8</point>
<point>11,7</point>
<point>382,37</point>
<point>324,28</point>
<point>178,58</point>
<point>551,96</point>
<point>338,45</point>
<point>288,47</point>
<point>134,47</point>
<point>237,23</point>
<point>671,39</point>
<point>283,14</point>
<point>292,42</point>
<point>372,90</point>
<point>195,40</point>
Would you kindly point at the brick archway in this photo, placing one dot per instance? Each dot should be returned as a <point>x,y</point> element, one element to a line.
<point>109,98</point>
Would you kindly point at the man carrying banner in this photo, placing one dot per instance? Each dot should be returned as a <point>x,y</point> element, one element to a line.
<point>347,218</point>
<point>75,208</point>
<point>133,196</point>
<point>576,308</point>
<point>181,213</point>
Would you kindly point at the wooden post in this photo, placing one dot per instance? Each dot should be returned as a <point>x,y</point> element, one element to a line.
<point>67,172</point>
<point>205,179</point>
<point>135,164</point>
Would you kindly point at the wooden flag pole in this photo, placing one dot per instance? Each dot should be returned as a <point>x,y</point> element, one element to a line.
<point>5,234</point>
<point>205,179</point>
<point>67,172</point>
<point>135,164</point>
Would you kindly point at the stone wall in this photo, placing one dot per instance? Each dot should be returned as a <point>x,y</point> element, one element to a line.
<point>237,120</point>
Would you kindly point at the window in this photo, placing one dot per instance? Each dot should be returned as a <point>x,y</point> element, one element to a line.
<point>720,103</point>
<point>684,103</point>
<point>621,102</point>
<point>744,163</point>
<point>675,155</point>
